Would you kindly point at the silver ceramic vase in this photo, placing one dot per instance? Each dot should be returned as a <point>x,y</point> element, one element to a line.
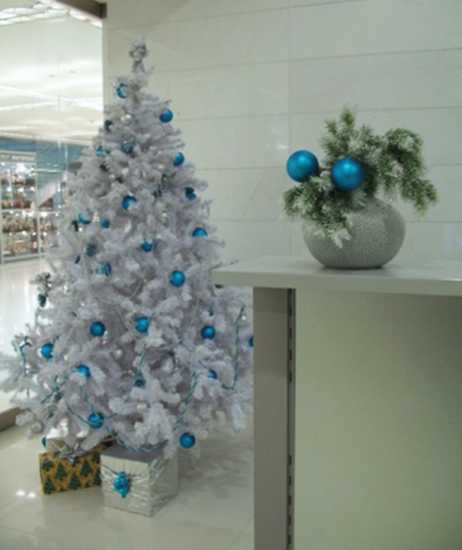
<point>377,234</point>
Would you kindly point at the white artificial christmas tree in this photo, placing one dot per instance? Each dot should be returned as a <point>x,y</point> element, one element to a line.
<point>136,342</point>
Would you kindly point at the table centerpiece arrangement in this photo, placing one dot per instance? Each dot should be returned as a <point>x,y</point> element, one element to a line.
<point>345,204</point>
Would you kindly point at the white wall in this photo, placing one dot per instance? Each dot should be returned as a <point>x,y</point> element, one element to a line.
<point>253,80</point>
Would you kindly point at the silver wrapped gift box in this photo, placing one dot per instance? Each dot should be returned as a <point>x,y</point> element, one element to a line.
<point>139,482</point>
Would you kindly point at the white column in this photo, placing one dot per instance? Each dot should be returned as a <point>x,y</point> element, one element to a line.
<point>271,417</point>
<point>378,445</point>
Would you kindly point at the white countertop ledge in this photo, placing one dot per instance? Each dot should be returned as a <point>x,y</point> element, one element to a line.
<point>437,279</point>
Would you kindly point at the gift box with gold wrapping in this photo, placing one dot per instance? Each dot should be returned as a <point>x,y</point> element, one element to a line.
<point>59,473</point>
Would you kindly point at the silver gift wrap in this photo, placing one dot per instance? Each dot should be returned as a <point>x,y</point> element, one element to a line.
<point>153,480</point>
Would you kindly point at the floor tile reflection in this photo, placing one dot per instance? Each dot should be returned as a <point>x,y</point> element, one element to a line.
<point>213,510</point>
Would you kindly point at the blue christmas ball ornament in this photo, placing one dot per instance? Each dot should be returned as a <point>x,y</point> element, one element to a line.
<point>147,246</point>
<point>121,484</point>
<point>105,223</point>
<point>100,151</point>
<point>84,218</point>
<point>177,278</point>
<point>91,250</point>
<point>46,350</point>
<point>83,370</point>
<point>128,147</point>
<point>208,332</point>
<point>127,201</point>
<point>166,116</point>
<point>301,165</point>
<point>251,342</point>
<point>212,374</point>
<point>122,90</point>
<point>142,324</point>
<point>187,440</point>
<point>96,420</point>
<point>199,232</point>
<point>179,159</point>
<point>107,125</point>
<point>97,329</point>
<point>347,174</point>
<point>189,193</point>
<point>105,269</point>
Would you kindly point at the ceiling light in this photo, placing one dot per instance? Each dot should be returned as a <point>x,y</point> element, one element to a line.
<point>44,9</point>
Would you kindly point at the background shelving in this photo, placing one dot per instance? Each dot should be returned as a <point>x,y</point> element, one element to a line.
<point>32,181</point>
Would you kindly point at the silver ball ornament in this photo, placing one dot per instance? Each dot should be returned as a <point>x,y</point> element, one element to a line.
<point>118,353</point>
<point>36,427</point>
<point>141,407</point>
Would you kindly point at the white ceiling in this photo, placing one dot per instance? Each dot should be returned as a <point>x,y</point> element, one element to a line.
<point>50,78</point>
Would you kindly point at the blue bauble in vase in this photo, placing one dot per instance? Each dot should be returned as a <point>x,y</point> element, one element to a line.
<point>301,165</point>
<point>187,440</point>
<point>347,174</point>
<point>212,374</point>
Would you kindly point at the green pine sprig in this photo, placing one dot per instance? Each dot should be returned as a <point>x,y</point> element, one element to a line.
<point>393,165</point>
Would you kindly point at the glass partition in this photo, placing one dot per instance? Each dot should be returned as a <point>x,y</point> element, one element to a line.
<point>50,108</point>
<point>31,195</point>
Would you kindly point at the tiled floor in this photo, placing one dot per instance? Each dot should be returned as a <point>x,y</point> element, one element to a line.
<point>213,511</point>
